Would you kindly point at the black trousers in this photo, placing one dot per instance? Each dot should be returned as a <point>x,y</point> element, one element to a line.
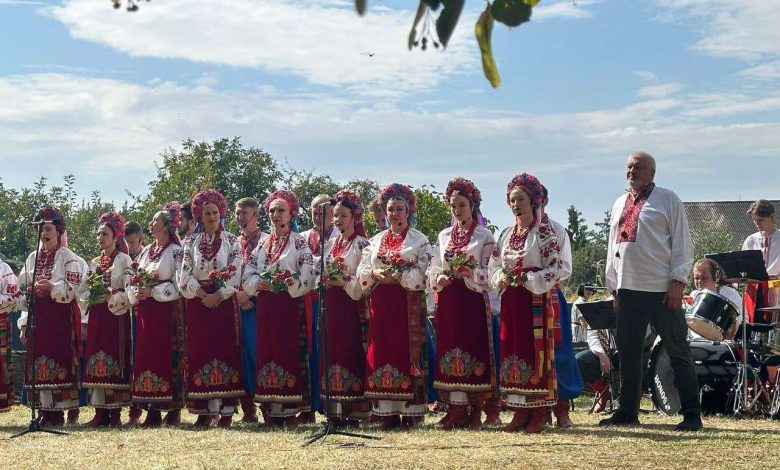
<point>635,310</point>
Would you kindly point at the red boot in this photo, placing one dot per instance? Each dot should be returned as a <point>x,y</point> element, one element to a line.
<point>203,421</point>
<point>561,410</point>
<point>492,409</point>
<point>44,417</point>
<point>391,422</point>
<point>56,419</point>
<point>116,418</point>
<point>135,415</point>
<point>537,421</point>
<point>73,417</point>
<point>153,419</point>
<point>475,419</point>
<point>519,420</point>
<point>100,420</point>
<point>457,414</point>
<point>172,418</point>
<point>225,422</point>
<point>307,417</point>
<point>248,409</point>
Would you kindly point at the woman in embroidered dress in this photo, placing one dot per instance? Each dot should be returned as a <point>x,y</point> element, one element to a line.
<point>57,319</point>
<point>209,279</point>
<point>107,357</point>
<point>464,372</point>
<point>346,315</point>
<point>525,268</point>
<point>282,272</point>
<point>392,269</point>
<point>157,368</point>
<point>8,295</point>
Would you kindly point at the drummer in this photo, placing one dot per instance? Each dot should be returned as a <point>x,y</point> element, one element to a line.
<point>708,276</point>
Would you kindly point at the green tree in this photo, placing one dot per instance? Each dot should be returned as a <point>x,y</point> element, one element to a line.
<point>712,239</point>
<point>578,231</point>
<point>307,185</point>
<point>223,164</point>
<point>433,213</point>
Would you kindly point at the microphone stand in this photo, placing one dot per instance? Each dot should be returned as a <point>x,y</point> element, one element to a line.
<point>35,421</point>
<point>327,427</point>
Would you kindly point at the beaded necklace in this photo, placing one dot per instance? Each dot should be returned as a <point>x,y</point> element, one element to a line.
<point>518,237</point>
<point>104,263</point>
<point>460,237</point>
<point>391,242</point>
<point>275,245</point>
<point>208,246</point>
<point>341,245</point>
<point>155,252</point>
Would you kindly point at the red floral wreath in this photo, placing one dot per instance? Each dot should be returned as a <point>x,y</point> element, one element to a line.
<point>53,214</point>
<point>287,196</point>
<point>172,211</point>
<point>357,208</point>
<point>398,191</point>
<point>115,221</point>
<point>528,183</point>
<point>465,188</point>
<point>208,196</point>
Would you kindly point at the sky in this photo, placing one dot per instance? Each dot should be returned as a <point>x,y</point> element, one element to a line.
<point>100,93</point>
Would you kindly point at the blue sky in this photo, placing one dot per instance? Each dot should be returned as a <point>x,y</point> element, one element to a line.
<point>98,92</point>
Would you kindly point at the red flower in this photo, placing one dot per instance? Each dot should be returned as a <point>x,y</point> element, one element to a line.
<point>213,273</point>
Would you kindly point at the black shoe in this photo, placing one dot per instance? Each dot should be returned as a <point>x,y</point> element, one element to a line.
<point>619,419</point>
<point>690,422</point>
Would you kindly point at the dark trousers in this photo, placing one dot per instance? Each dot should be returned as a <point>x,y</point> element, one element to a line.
<point>635,310</point>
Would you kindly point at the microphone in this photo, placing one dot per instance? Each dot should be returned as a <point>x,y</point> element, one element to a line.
<point>40,222</point>
<point>331,202</point>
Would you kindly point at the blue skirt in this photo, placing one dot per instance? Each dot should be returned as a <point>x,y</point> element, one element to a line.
<point>569,379</point>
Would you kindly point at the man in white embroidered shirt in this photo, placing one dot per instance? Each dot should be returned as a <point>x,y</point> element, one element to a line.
<point>649,259</point>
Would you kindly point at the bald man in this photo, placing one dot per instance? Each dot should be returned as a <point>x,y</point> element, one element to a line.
<point>649,258</point>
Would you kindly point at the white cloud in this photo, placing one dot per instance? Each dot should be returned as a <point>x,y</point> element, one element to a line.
<point>659,91</point>
<point>98,124</point>
<point>741,29</point>
<point>324,42</point>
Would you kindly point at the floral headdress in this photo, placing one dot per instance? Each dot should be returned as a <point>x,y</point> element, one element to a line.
<point>287,196</point>
<point>52,214</point>
<point>117,224</point>
<point>209,196</point>
<point>530,184</point>
<point>403,192</point>
<point>352,201</point>
<point>467,189</point>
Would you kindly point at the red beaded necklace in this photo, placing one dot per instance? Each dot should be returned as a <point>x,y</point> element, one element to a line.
<point>341,245</point>
<point>104,263</point>
<point>519,234</point>
<point>460,237</point>
<point>392,241</point>
<point>155,252</point>
<point>209,248</point>
<point>274,246</point>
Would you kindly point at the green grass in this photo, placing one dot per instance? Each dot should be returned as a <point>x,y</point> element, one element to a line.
<point>724,443</point>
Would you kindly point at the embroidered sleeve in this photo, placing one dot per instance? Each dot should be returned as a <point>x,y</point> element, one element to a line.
<point>167,291</point>
<point>66,282</point>
<point>545,279</point>
<point>118,302</point>
<point>414,277</point>
<point>188,285</point>
<point>480,279</point>
<point>252,269</point>
<point>8,288</point>
<point>234,260</point>
<point>306,272</point>
<point>497,262</point>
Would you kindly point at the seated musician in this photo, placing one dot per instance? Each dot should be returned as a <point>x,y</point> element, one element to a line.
<point>708,275</point>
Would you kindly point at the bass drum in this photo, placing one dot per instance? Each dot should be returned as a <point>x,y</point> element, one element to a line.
<point>715,366</point>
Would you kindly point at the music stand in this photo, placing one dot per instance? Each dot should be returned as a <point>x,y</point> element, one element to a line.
<point>742,267</point>
<point>601,315</point>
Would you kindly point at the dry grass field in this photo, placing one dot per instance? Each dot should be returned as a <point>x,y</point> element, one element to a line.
<point>725,443</point>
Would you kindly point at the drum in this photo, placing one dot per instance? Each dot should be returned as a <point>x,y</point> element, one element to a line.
<point>713,316</point>
<point>715,366</point>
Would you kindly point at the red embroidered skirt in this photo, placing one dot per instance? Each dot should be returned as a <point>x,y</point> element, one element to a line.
<point>56,343</point>
<point>282,357</point>
<point>464,341</point>
<point>526,346</point>
<point>213,353</point>
<point>6,379</point>
<point>157,370</point>
<point>107,356</point>
<point>346,356</point>
<point>395,360</point>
